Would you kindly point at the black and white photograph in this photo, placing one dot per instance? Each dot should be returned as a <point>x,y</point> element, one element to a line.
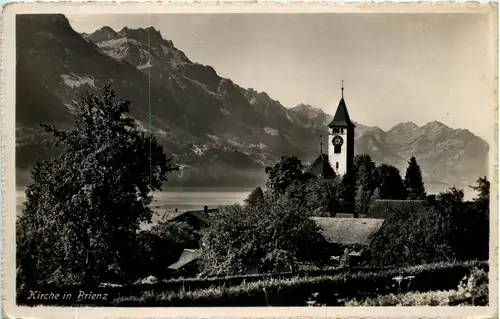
<point>252,159</point>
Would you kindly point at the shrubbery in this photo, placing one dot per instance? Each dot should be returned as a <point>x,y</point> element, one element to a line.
<point>331,289</point>
<point>267,237</point>
<point>472,291</point>
<point>446,229</point>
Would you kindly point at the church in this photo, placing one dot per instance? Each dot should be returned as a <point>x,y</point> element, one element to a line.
<point>340,158</point>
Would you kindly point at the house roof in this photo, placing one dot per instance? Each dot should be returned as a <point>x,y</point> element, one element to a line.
<point>348,230</point>
<point>187,256</point>
<point>341,117</point>
<point>321,166</point>
<point>384,208</point>
<point>198,214</point>
<point>348,215</point>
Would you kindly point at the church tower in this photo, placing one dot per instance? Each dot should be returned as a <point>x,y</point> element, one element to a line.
<point>341,140</point>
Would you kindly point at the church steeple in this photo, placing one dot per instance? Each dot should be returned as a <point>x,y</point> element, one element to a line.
<point>341,117</point>
<point>341,137</point>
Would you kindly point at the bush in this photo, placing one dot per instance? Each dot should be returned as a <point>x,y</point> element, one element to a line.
<point>331,290</point>
<point>472,291</point>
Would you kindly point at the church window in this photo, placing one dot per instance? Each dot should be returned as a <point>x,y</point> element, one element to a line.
<point>341,131</point>
<point>337,165</point>
<point>336,130</point>
<point>336,149</point>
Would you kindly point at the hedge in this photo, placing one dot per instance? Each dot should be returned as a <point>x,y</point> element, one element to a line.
<point>332,288</point>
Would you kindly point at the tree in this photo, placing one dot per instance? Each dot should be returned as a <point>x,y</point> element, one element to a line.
<point>412,235</point>
<point>85,206</point>
<point>271,237</point>
<point>413,181</point>
<point>468,225</point>
<point>363,190</point>
<point>483,188</point>
<point>161,246</point>
<point>179,234</point>
<point>288,169</point>
<point>364,170</point>
<point>256,197</point>
<point>314,196</point>
<point>363,160</point>
<point>452,196</point>
<point>390,183</point>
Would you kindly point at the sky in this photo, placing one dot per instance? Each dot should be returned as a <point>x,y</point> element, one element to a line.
<point>396,68</point>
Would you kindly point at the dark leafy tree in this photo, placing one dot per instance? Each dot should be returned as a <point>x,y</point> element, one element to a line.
<point>347,191</point>
<point>390,183</point>
<point>452,196</point>
<point>412,235</point>
<point>160,247</point>
<point>268,238</point>
<point>288,169</point>
<point>85,206</point>
<point>447,229</point>
<point>256,197</point>
<point>315,196</point>
<point>363,190</point>
<point>365,160</point>
<point>468,232</point>
<point>413,181</point>
<point>179,234</point>
<point>366,182</point>
<point>483,189</point>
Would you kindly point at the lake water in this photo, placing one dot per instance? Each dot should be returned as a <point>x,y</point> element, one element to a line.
<point>180,199</point>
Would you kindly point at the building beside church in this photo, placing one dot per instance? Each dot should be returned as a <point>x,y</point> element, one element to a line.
<point>339,159</point>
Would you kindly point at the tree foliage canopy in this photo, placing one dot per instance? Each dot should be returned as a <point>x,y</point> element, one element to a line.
<point>366,182</point>
<point>389,181</point>
<point>447,228</point>
<point>283,173</point>
<point>413,180</point>
<point>266,238</point>
<point>84,207</point>
<point>255,197</point>
<point>483,189</point>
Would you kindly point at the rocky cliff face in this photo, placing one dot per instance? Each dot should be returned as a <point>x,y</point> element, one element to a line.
<point>221,134</point>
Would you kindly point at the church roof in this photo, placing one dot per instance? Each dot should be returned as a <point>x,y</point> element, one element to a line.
<point>321,166</point>
<point>341,117</point>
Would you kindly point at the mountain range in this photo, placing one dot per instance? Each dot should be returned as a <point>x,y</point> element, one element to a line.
<point>221,135</point>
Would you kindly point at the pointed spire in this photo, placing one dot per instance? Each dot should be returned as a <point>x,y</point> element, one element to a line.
<point>341,118</point>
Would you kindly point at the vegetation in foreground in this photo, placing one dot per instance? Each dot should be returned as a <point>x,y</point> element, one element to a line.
<point>394,285</point>
<point>333,290</point>
<point>472,291</point>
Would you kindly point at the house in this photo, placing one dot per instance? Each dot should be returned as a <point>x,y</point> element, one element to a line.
<point>348,236</point>
<point>187,264</point>
<point>198,219</point>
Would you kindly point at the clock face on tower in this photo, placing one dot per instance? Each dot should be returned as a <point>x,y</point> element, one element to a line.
<point>337,140</point>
